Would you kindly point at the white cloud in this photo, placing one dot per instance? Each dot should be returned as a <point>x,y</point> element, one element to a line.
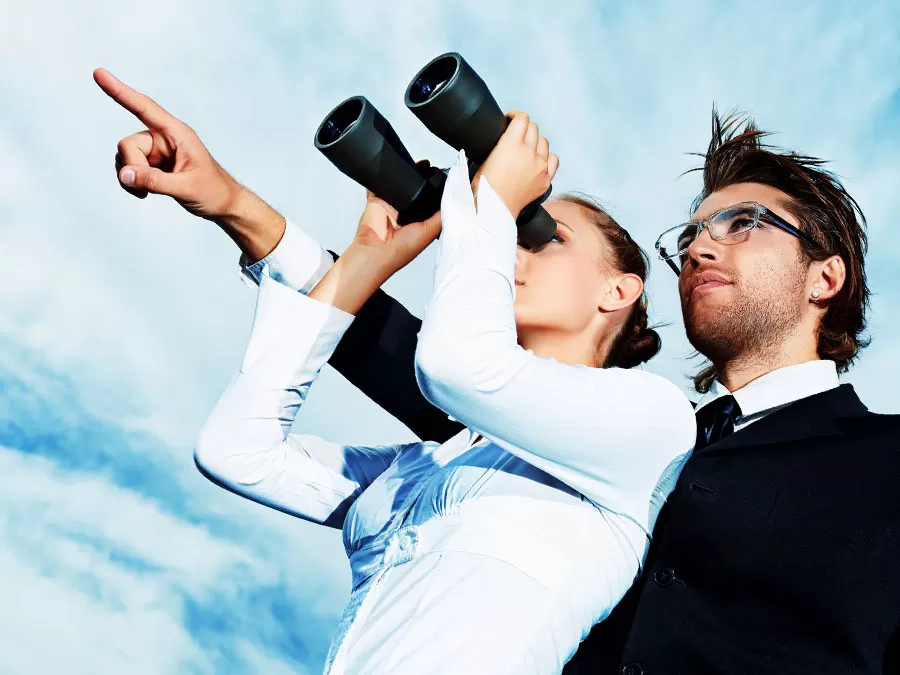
<point>88,506</point>
<point>49,626</point>
<point>70,606</point>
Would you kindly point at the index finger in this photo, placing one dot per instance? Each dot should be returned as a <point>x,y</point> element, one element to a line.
<point>143,107</point>
<point>518,123</point>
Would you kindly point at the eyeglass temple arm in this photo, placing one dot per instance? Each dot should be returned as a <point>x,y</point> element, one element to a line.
<point>664,252</point>
<point>790,229</point>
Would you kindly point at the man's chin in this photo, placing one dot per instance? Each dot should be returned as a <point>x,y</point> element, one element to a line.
<point>702,306</point>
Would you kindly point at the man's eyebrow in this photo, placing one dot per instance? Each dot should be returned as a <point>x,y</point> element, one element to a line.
<point>559,222</point>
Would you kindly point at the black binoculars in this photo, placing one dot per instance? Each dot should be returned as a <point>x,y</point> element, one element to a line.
<point>454,103</point>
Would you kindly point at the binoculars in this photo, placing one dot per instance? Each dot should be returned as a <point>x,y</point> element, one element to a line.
<point>454,103</point>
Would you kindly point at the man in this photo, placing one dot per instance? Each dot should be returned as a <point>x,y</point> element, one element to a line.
<point>779,549</point>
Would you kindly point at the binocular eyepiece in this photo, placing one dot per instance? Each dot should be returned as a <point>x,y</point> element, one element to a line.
<point>454,104</point>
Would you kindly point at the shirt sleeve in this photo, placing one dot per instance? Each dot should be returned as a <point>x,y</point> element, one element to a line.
<point>298,262</point>
<point>246,444</point>
<point>609,433</point>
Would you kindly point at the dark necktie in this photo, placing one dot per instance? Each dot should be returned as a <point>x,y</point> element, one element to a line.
<point>715,421</point>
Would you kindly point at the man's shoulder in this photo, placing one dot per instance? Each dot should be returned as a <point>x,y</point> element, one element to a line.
<point>882,419</point>
<point>877,424</point>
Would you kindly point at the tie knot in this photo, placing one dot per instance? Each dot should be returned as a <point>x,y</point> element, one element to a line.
<point>715,421</point>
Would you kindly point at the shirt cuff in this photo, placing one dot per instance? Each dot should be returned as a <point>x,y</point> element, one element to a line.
<point>293,335</point>
<point>298,262</point>
<point>474,239</point>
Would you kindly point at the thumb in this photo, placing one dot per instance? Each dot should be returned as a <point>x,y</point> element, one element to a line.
<point>426,231</point>
<point>150,179</point>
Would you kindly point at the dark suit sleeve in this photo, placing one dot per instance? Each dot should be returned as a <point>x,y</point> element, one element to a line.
<point>377,355</point>
<point>891,662</point>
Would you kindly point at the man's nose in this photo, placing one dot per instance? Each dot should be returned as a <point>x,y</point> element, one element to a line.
<point>704,249</point>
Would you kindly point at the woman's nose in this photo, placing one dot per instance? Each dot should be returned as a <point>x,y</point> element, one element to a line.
<point>521,257</point>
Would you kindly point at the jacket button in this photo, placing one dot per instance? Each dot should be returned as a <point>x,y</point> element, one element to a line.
<point>632,669</point>
<point>664,576</point>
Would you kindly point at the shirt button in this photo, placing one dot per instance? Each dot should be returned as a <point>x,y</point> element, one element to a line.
<point>664,576</point>
<point>632,669</point>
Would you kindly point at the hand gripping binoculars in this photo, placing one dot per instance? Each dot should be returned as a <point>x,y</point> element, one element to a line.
<point>454,103</point>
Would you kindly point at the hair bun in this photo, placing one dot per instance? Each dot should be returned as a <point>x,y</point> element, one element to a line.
<point>643,346</point>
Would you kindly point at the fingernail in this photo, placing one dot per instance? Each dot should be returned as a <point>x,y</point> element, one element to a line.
<point>128,176</point>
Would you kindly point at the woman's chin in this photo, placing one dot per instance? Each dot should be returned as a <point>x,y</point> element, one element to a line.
<point>521,316</point>
<point>526,323</point>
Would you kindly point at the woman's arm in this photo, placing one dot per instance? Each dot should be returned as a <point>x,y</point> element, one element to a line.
<point>377,355</point>
<point>599,430</point>
<point>246,445</point>
<point>377,352</point>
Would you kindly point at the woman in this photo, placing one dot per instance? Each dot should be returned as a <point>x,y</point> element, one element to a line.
<point>496,551</point>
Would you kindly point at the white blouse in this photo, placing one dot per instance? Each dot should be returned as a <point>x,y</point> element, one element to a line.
<point>493,557</point>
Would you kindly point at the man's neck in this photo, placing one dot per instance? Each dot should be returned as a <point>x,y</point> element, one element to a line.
<point>740,372</point>
<point>794,347</point>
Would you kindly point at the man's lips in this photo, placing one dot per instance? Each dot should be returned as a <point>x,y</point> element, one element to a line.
<point>519,283</point>
<point>705,281</point>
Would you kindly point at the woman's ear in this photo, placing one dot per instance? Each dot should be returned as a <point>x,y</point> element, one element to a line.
<point>624,291</point>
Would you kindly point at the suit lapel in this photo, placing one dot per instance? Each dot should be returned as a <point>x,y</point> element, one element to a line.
<point>812,417</point>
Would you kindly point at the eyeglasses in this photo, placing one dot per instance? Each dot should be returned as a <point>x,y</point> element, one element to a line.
<point>732,221</point>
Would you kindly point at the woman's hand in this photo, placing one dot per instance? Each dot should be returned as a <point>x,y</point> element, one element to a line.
<point>379,248</point>
<point>168,158</point>
<point>388,245</point>
<point>521,167</point>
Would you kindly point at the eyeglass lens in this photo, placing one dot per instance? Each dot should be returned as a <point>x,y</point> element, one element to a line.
<point>727,223</point>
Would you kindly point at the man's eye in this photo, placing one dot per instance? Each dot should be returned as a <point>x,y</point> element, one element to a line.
<point>740,224</point>
<point>557,239</point>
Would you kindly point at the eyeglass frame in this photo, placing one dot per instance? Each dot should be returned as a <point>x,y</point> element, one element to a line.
<point>772,217</point>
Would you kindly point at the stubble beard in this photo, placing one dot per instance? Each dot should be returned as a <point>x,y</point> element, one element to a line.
<point>753,327</point>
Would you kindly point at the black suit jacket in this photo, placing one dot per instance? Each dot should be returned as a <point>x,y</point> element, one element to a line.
<point>777,552</point>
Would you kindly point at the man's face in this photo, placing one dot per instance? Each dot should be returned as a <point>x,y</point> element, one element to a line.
<point>743,295</point>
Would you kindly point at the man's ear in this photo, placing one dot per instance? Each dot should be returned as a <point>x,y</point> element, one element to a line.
<point>624,291</point>
<point>826,278</point>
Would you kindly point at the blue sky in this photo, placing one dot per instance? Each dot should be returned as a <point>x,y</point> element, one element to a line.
<point>123,320</point>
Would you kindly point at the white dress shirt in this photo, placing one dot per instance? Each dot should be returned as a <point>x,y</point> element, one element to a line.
<point>298,262</point>
<point>489,557</point>
<point>776,389</point>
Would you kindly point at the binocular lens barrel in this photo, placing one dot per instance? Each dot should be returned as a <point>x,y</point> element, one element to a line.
<point>361,143</point>
<point>455,104</point>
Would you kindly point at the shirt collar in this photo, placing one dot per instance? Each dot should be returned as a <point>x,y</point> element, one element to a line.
<point>778,387</point>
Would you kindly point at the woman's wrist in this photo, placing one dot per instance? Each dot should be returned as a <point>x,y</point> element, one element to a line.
<point>353,279</point>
